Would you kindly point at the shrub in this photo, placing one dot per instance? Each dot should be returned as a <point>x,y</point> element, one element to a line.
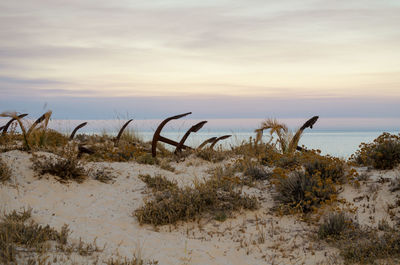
<point>382,153</point>
<point>65,168</point>
<point>5,173</point>
<point>216,197</point>
<point>256,172</point>
<point>303,192</point>
<point>335,225</point>
<point>328,167</point>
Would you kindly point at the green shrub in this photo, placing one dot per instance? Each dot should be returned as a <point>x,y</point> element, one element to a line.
<point>382,153</point>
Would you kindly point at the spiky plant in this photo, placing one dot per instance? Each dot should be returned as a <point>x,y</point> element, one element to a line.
<point>285,138</point>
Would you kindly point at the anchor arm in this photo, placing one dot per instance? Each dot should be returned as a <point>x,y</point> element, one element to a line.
<point>76,129</point>
<point>194,128</point>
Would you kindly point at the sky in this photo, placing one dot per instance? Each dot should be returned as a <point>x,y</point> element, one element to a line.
<point>101,59</point>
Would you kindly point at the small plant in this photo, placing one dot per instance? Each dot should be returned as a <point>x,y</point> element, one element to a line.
<point>5,173</point>
<point>257,172</point>
<point>103,175</point>
<point>65,168</point>
<point>336,225</point>
<point>382,153</point>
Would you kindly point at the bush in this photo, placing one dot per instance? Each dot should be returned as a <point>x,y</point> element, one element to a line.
<point>328,167</point>
<point>303,192</point>
<point>256,172</point>
<point>382,153</point>
<point>5,173</point>
<point>66,168</point>
<point>336,225</point>
<point>171,204</point>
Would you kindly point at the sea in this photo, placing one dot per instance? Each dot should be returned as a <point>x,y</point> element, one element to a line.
<point>333,136</point>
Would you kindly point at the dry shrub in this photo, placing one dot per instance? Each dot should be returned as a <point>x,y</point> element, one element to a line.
<point>257,172</point>
<point>216,197</point>
<point>17,236</point>
<point>5,172</point>
<point>337,225</point>
<point>382,153</point>
<point>65,168</point>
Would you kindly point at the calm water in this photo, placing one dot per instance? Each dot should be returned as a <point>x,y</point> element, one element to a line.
<point>340,143</point>
<point>336,143</point>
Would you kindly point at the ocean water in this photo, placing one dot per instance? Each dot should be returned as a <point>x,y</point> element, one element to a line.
<point>336,137</point>
<point>336,143</point>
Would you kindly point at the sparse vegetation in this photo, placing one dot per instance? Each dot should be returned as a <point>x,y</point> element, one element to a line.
<point>215,197</point>
<point>17,236</point>
<point>382,153</point>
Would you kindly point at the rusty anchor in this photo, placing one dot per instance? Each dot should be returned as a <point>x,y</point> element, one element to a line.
<point>194,128</point>
<point>219,139</point>
<point>209,140</point>
<point>76,129</point>
<point>116,140</point>
<point>213,141</point>
<point>179,146</point>
<point>5,127</point>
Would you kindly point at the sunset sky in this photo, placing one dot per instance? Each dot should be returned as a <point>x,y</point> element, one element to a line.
<point>221,59</point>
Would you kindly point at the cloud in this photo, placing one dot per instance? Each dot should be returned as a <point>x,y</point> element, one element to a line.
<point>302,49</point>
